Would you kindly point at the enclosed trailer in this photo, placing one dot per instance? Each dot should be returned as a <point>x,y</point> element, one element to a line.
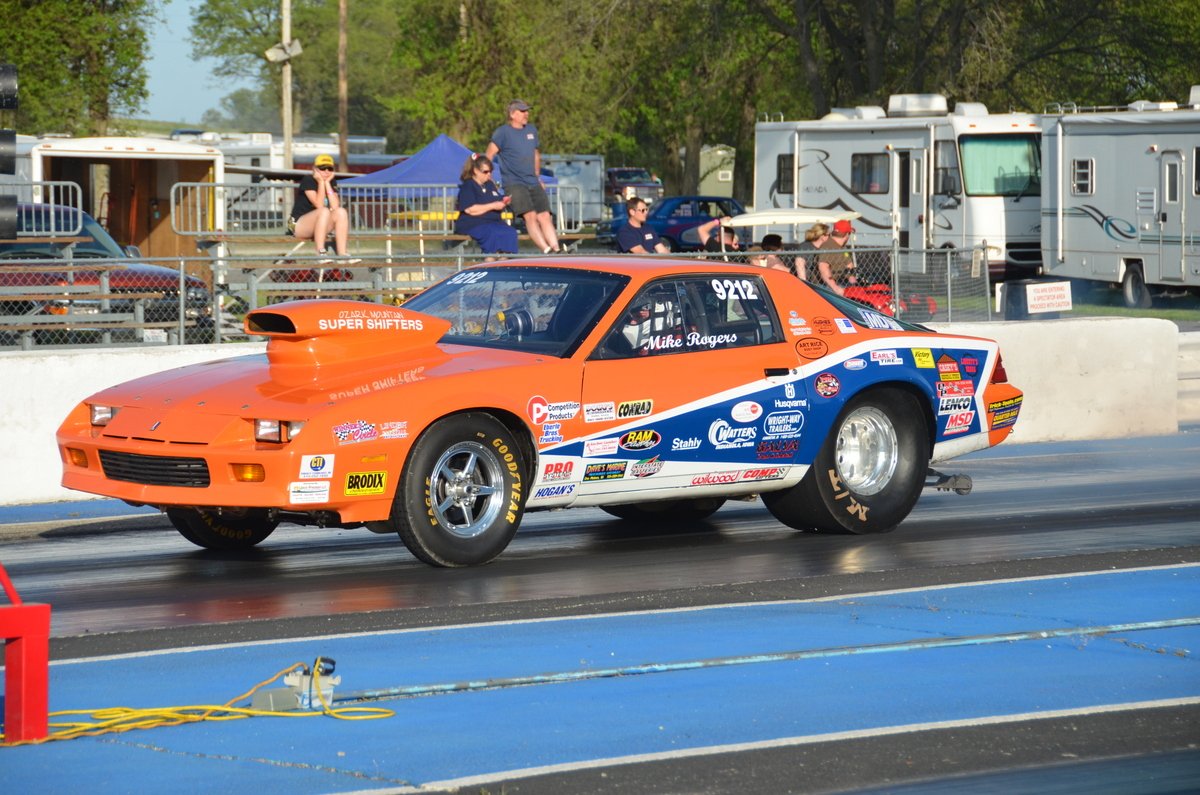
<point>920,177</point>
<point>126,184</point>
<point>1121,202</point>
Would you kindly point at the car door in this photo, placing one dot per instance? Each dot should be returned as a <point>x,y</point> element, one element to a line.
<point>680,391</point>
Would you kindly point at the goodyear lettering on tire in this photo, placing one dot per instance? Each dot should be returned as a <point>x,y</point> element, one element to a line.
<point>361,484</point>
<point>515,491</point>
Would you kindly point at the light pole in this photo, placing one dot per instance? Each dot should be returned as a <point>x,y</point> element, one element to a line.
<point>283,53</point>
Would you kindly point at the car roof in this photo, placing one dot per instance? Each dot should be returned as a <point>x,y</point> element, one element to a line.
<point>626,265</point>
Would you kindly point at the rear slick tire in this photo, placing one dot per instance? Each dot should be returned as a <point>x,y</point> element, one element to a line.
<point>869,472</point>
<point>462,492</point>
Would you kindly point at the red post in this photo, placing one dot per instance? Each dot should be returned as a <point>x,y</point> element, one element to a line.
<point>26,632</point>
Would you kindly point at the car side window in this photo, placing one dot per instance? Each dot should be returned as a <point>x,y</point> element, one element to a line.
<point>692,314</point>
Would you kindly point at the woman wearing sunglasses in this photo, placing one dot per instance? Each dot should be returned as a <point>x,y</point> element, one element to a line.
<point>317,211</point>
<point>480,206</point>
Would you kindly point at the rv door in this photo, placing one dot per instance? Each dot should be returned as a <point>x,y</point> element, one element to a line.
<point>1171,217</point>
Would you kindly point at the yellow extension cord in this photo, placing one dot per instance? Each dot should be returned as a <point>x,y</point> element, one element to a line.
<point>115,720</point>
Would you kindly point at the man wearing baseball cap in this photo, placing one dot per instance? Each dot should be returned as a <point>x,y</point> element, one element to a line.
<point>317,211</point>
<point>518,149</point>
<point>835,262</point>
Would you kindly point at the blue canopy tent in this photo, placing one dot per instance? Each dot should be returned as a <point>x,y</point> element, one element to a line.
<point>419,193</point>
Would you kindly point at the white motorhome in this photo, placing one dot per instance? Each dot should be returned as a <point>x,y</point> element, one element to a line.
<point>1121,196</point>
<point>920,177</point>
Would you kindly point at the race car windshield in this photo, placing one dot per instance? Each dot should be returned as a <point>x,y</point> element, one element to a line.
<point>538,310</point>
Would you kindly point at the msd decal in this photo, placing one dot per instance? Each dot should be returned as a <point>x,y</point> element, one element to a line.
<point>960,422</point>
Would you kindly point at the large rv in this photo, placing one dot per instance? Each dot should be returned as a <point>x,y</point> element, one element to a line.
<point>1121,197</point>
<point>919,176</point>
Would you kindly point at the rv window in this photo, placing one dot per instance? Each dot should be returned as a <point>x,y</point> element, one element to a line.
<point>1081,177</point>
<point>784,165</point>
<point>869,173</point>
<point>1195,172</point>
<point>947,180</point>
<point>1171,180</point>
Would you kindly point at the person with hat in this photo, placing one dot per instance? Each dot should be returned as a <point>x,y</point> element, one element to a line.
<point>835,261</point>
<point>517,146</point>
<point>317,211</point>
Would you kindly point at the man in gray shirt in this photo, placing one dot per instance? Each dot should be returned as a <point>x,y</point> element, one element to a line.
<point>518,148</point>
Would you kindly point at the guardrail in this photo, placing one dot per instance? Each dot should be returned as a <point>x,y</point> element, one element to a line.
<point>202,209</point>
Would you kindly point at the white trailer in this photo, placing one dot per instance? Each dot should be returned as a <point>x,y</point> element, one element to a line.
<point>1121,198</point>
<point>919,177</point>
<point>586,173</point>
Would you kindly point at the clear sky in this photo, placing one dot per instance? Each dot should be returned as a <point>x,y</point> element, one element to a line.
<point>181,89</point>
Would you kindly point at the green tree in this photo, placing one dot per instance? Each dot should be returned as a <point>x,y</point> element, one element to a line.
<point>80,62</point>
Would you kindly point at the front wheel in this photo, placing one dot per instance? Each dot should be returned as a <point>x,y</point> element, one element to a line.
<point>667,511</point>
<point>462,492</point>
<point>225,531</point>
<point>869,472</point>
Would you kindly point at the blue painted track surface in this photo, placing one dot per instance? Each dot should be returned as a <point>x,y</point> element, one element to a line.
<point>665,683</point>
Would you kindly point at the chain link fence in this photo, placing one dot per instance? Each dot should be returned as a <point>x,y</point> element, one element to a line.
<point>55,299</point>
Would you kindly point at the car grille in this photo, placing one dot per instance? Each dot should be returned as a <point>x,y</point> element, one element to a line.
<point>155,470</point>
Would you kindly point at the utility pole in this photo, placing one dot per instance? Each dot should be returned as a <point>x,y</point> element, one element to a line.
<point>285,88</point>
<point>343,93</point>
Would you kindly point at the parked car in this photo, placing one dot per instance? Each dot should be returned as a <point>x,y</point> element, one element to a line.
<point>624,182</point>
<point>549,383</point>
<point>675,218</point>
<point>45,231</point>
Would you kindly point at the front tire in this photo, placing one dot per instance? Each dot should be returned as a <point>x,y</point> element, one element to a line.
<point>462,492</point>
<point>869,472</point>
<point>222,531</point>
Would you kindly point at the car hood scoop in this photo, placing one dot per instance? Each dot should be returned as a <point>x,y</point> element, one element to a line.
<point>320,332</point>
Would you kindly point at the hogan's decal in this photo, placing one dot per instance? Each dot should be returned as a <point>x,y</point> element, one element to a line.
<point>564,490</point>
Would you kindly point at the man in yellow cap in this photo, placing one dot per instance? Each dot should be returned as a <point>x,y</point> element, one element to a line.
<point>318,210</point>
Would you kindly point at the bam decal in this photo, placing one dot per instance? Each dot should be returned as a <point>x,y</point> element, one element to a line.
<point>362,483</point>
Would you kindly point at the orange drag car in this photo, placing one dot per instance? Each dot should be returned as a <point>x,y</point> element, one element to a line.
<point>654,389</point>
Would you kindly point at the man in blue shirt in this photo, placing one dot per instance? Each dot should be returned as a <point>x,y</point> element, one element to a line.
<point>636,237</point>
<point>520,156</point>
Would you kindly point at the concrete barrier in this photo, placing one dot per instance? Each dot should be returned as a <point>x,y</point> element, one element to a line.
<point>1083,379</point>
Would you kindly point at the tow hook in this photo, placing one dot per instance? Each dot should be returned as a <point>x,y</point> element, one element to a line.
<point>959,484</point>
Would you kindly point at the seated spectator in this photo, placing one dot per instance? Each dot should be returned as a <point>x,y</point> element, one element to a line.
<point>480,205</point>
<point>317,211</point>
<point>766,259</point>
<point>636,236</point>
